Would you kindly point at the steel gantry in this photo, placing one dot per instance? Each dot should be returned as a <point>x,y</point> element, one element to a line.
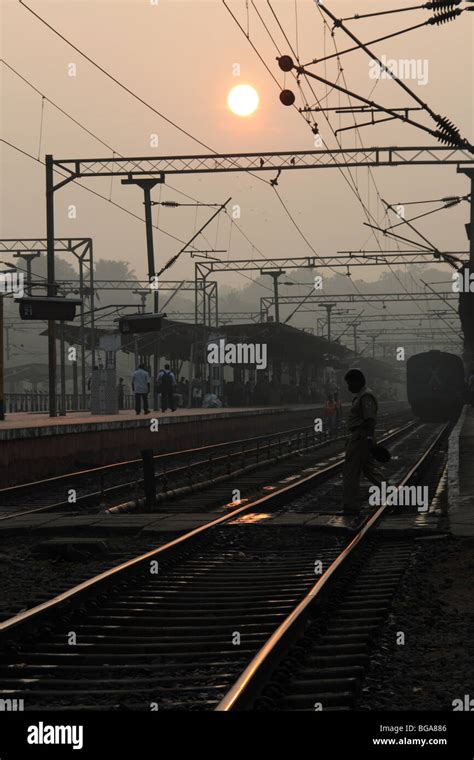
<point>276,264</point>
<point>147,166</point>
<point>449,318</point>
<point>266,302</point>
<point>209,289</point>
<point>140,170</point>
<point>82,249</point>
<point>403,317</point>
<point>204,268</point>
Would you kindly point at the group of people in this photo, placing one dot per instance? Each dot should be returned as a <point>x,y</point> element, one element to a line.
<point>172,391</point>
<point>166,387</point>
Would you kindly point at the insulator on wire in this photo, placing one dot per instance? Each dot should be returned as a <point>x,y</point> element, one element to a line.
<point>285,63</point>
<point>448,133</point>
<point>447,126</point>
<point>443,18</point>
<point>287,97</point>
<point>448,140</point>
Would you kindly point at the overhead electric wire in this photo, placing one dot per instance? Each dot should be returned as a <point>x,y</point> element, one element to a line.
<point>437,5</point>
<point>354,187</point>
<point>366,211</point>
<point>124,87</point>
<point>457,198</point>
<point>449,259</point>
<point>130,92</point>
<point>371,42</point>
<point>420,216</point>
<point>114,79</point>
<point>394,274</point>
<point>448,131</point>
<point>117,153</point>
<point>351,182</point>
<point>264,63</point>
<point>427,249</point>
<point>118,82</point>
<point>174,258</point>
<point>85,187</point>
<point>96,137</point>
<point>278,84</point>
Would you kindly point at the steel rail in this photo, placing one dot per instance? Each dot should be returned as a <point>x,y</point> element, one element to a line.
<point>98,582</point>
<point>283,438</point>
<point>253,677</point>
<point>239,453</point>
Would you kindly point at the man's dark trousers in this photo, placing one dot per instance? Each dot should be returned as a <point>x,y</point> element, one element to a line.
<point>167,400</point>
<point>139,398</point>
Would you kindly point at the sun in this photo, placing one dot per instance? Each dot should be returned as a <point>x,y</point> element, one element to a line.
<point>243,100</point>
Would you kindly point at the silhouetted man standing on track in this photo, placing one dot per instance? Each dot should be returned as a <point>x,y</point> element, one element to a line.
<point>361,424</point>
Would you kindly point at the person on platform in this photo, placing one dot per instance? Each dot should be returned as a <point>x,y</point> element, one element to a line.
<point>166,382</point>
<point>359,445</point>
<point>212,401</point>
<point>141,387</point>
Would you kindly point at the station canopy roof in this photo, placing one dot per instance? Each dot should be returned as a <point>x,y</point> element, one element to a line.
<point>380,369</point>
<point>284,343</point>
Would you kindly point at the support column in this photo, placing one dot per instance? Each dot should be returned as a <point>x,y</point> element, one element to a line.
<point>2,367</point>
<point>62,410</point>
<point>329,307</point>
<point>147,186</point>
<point>466,300</point>
<point>51,283</point>
<point>275,274</point>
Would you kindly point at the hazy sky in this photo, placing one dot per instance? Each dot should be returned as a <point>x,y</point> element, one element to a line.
<point>179,57</point>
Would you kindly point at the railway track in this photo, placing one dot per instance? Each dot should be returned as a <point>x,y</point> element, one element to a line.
<point>206,621</point>
<point>177,474</point>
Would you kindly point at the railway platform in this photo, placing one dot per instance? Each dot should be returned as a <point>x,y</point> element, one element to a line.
<point>461,476</point>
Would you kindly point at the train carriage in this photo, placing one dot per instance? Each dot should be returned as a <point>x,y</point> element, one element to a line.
<point>435,385</point>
